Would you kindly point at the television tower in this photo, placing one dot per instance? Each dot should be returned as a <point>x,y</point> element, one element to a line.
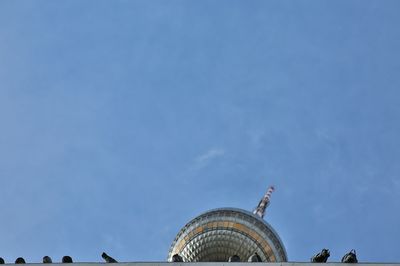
<point>264,202</point>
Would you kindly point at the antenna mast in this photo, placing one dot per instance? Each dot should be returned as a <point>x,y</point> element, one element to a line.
<point>264,202</point>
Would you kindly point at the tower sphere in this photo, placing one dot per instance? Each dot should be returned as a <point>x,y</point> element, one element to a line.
<point>221,233</point>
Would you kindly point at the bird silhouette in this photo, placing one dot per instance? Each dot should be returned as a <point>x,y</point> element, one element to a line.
<point>67,259</point>
<point>177,258</point>
<point>107,258</point>
<point>47,259</point>
<point>322,256</point>
<point>254,258</point>
<point>350,257</point>
<point>234,258</point>
<point>20,260</point>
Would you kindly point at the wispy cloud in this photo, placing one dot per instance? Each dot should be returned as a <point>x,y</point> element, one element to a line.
<point>209,155</point>
<point>200,162</point>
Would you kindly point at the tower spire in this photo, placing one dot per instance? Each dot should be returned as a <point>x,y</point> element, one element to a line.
<point>264,202</point>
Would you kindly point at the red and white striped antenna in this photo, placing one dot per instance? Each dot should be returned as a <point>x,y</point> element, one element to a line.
<point>264,202</point>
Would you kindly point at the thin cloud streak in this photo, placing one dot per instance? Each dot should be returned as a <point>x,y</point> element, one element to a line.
<point>210,155</point>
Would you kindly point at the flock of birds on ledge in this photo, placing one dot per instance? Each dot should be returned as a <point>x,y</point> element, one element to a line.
<point>321,257</point>
<point>65,259</point>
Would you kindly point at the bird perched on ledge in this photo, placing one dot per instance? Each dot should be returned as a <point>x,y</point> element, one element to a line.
<point>20,260</point>
<point>254,258</point>
<point>234,258</point>
<point>47,259</point>
<point>177,258</point>
<point>107,258</point>
<point>322,256</point>
<point>66,259</point>
<point>350,257</point>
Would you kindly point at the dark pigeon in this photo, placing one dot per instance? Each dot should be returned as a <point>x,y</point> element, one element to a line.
<point>107,258</point>
<point>350,257</point>
<point>66,259</point>
<point>254,258</point>
<point>234,258</point>
<point>20,260</point>
<point>322,256</point>
<point>47,259</point>
<point>177,258</point>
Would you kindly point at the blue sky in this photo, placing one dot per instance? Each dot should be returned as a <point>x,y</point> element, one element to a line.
<point>122,120</point>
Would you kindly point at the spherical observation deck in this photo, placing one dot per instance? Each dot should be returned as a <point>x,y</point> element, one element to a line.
<point>217,234</point>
